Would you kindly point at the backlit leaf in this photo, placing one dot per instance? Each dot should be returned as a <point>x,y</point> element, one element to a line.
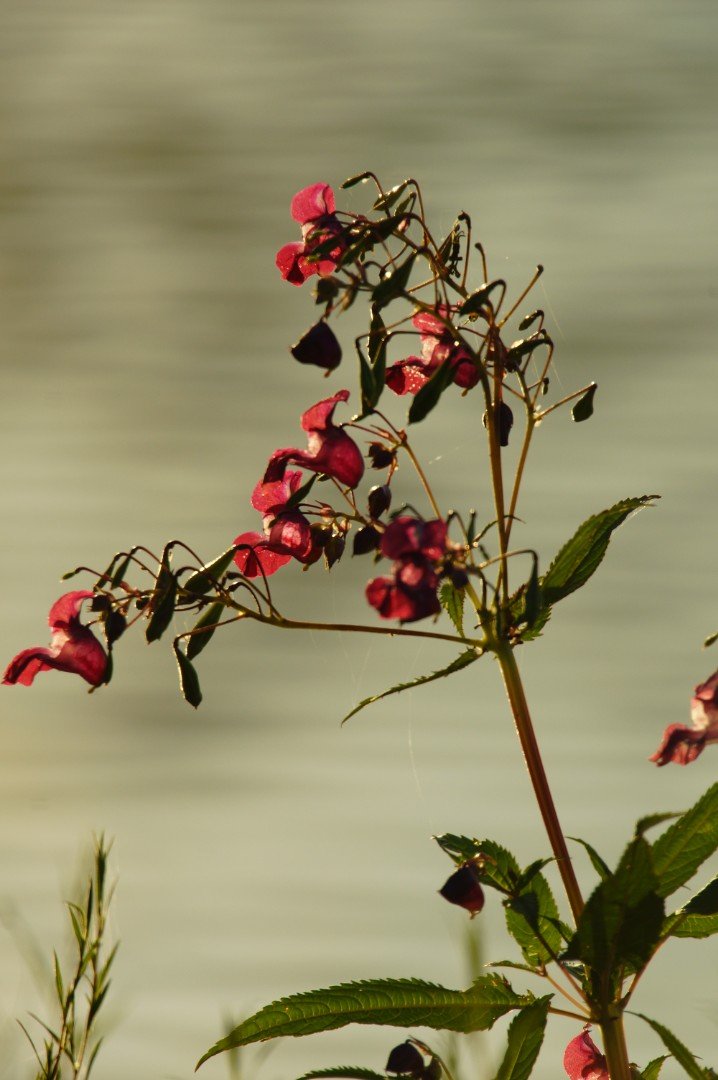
<point>680,1052</point>
<point>462,661</point>
<point>428,396</point>
<point>201,636</point>
<point>681,849</point>
<point>189,681</point>
<point>526,1032</point>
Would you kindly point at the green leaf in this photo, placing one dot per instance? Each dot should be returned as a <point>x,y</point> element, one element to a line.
<point>369,390</point>
<point>355,180</point>
<point>497,867</point>
<point>681,849</point>
<point>581,556</point>
<point>428,396</point>
<point>163,608</point>
<point>393,284</point>
<point>474,303</point>
<point>349,1072</point>
<point>206,579</point>
<point>452,601</point>
<point>583,408</point>
<point>200,635</point>
<point>533,600</point>
<point>393,1002</point>
<point>189,682</point>
<point>651,820</point>
<point>680,1052</point>
<point>653,1069</point>
<point>597,862</point>
<point>532,920</point>
<point>377,350</point>
<point>622,920</point>
<point>462,661</point>
<point>699,917</point>
<point>387,200</point>
<point>526,1032</point>
<point>298,496</point>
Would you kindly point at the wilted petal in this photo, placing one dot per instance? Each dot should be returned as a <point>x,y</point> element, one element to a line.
<point>408,536</point>
<point>256,558</point>
<point>583,1060</point>
<point>330,450</point>
<point>680,745</point>
<point>704,704</point>
<point>312,202</point>
<point>73,647</point>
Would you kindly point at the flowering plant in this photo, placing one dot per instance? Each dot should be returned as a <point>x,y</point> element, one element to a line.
<point>461,577</point>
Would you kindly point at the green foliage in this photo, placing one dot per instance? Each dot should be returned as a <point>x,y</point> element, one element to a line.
<point>201,635</point>
<point>164,598</point>
<point>497,867</point>
<point>478,300</point>
<point>653,1069</point>
<point>206,579</point>
<point>461,661</point>
<point>452,601</point>
<point>680,1052</point>
<point>533,922</point>
<point>393,1002</point>
<point>188,678</point>
<point>394,284</point>
<point>343,1072</point>
<point>598,864</point>
<point>428,396</point>
<point>526,1032</point>
<point>699,917</point>
<point>387,200</point>
<point>682,848</point>
<point>621,922</point>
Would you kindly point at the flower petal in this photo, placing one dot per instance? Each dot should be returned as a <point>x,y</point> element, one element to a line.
<point>292,265</point>
<point>312,202</point>
<point>256,558</point>
<point>680,745</point>
<point>583,1060</point>
<point>73,647</point>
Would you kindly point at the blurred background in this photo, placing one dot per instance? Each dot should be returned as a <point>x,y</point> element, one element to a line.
<point>148,158</point>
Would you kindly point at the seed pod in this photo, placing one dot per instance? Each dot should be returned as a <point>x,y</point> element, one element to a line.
<point>379,500</point>
<point>366,540</point>
<point>380,456</point>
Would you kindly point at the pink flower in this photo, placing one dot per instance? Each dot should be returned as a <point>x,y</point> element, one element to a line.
<point>73,647</point>
<point>410,536</point>
<point>256,558</point>
<point>313,207</point>
<point>437,347</point>
<point>288,531</point>
<point>329,449</point>
<point>583,1060</point>
<point>410,593</point>
<point>682,744</point>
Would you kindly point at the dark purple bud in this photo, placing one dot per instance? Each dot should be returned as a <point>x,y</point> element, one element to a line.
<point>321,535</point>
<point>458,577</point>
<point>432,1070</point>
<point>99,602</point>
<point>366,540</point>
<point>506,422</point>
<point>380,456</point>
<point>326,290</point>
<point>115,626</point>
<point>379,500</point>
<point>319,346</point>
<point>464,888</point>
<point>334,550</point>
<point>405,1060</point>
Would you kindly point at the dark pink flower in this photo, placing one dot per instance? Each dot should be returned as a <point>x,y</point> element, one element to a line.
<point>437,347</point>
<point>409,595</point>
<point>408,536</point>
<point>318,346</point>
<point>256,558</point>
<point>583,1060</point>
<point>329,449</point>
<point>288,532</point>
<point>313,207</point>
<point>73,647</point>
<point>681,744</point>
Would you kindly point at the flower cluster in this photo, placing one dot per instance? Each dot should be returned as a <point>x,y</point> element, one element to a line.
<point>418,549</point>
<point>313,208</point>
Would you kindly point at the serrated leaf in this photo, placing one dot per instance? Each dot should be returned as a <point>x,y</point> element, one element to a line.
<point>680,1052</point>
<point>387,200</point>
<point>622,920</point>
<point>681,849</point>
<point>526,1032</point>
<point>205,579</point>
<point>513,964</point>
<point>462,661</point>
<point>699,917</point>
<point>189,681</point>
<point>653,1069</point>
<point>452,601</point>
<point>533,599</point>
<point>200,635</point>
<point>392,1002</point>
<point>393,284</point>
<point>497,867</point>
<point>532,920</point>
<point>348,1072</point>
<point>651,820</point>
<point>598,864</point>
<point>428,396</point>
<point>581,556</point>
<point>583,408</point>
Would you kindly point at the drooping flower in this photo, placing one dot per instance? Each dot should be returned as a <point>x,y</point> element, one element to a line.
<point>256,557</point>
<point>682,744</point>
<point>73,647</point>
<point>410,593</point>
<point>464,888</point>
<point>407,537</point>
<point>313,208</point>
<point>329,449</point>
<point>437,347</point>
<point>583,1060</point>
<point>319,346</point>
<point>288,531</point>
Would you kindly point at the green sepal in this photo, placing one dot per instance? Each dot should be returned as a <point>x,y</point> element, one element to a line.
<point>393,1002</point>
<point>583,408</point>
<point>452,601</point>
<point>710,640</point>
<point>428,396</point>
<point>121,569</point>
<point>188,679</point>
<point>298,496</point>
<point>163,601</point>
<point>699,917</point>
<point>525,1036</point>
<point>201,636</point>
<point>680,1052</point>
<point>387,200</point>
<point>598,864</point>
<point>681,849</point>
<point>208,577</point>
<point>653,1069</point>
<point>474,303</point>
<point>393,285</point>
<point>622,921</point>
<point>462,661</point>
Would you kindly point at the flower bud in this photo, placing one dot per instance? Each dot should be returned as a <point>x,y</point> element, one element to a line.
<point>366,540</point>
<point>464,888</point>
<point>406,1060</point>
<point>380,456</point>
<point>379,500</point>
<point>334,550</point>
<point>115,626</point>
<point>319,346</point>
